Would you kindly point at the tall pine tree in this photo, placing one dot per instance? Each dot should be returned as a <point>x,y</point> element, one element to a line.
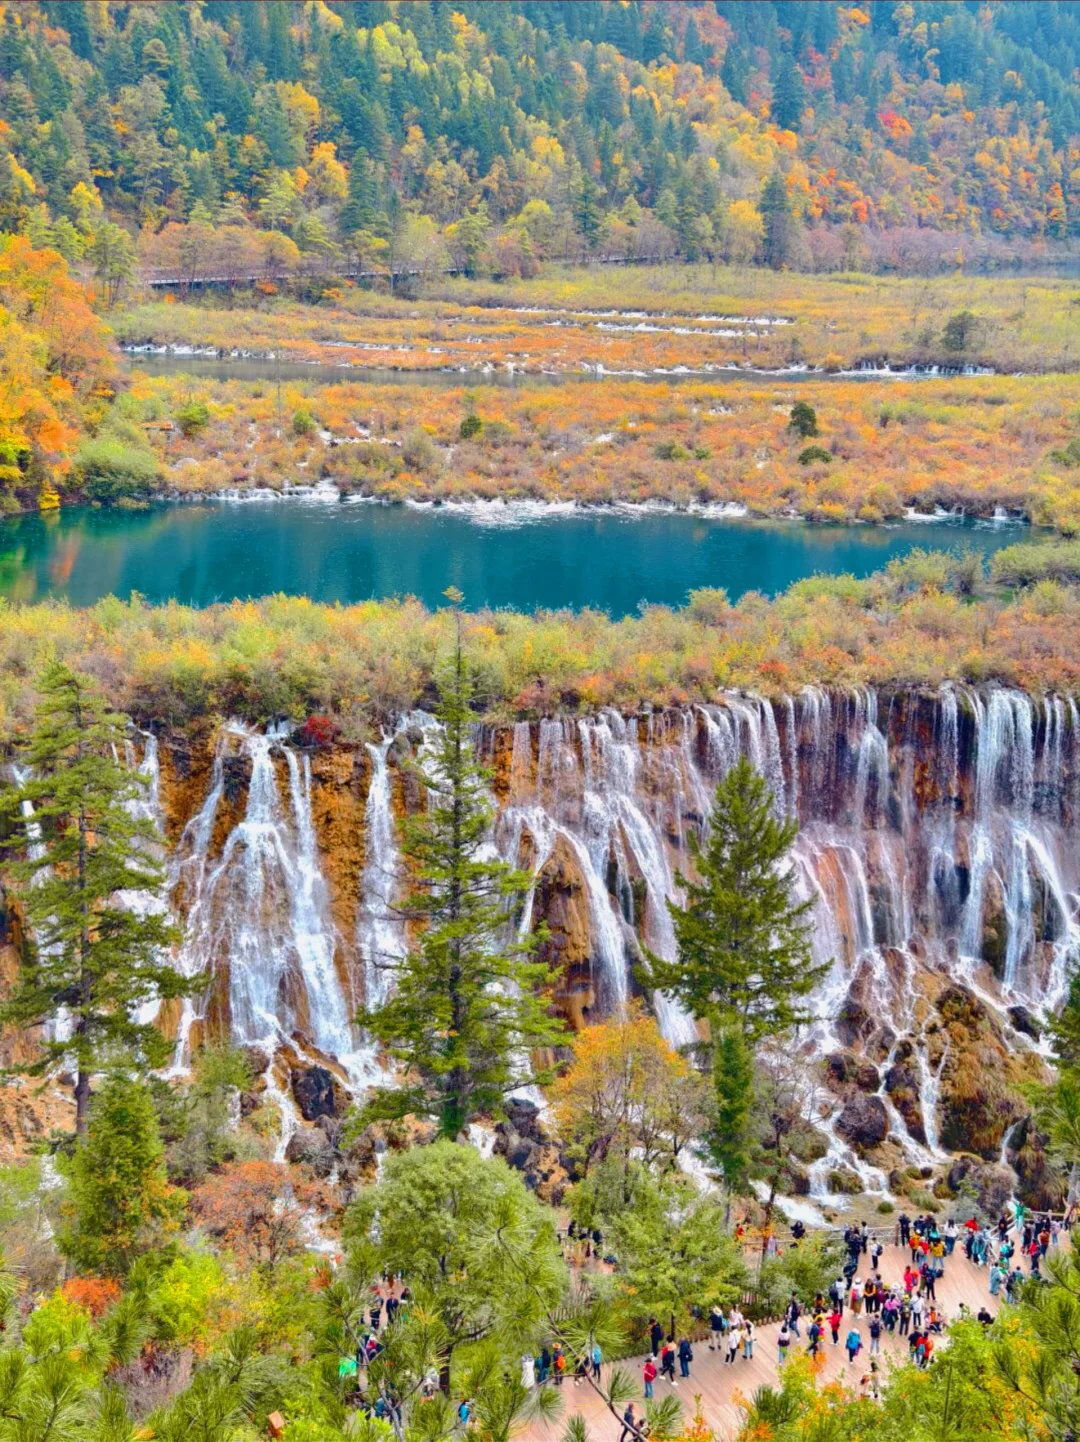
<point>469,1001</point>
<point>80,845</point>
<point>744,957</point>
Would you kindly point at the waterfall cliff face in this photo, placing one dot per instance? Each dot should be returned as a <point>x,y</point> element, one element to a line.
<point>937,841</point>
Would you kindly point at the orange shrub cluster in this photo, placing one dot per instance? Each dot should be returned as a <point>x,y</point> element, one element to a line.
<point>978,443</point>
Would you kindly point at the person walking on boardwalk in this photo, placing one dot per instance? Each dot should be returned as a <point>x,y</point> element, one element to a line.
<point>597,1360</point>
<point>792,1315</point>
<point>853,1344</point>
<point>875,1336</point>
<point>734,1341</point>
<point>783,1342</point>
<point>648,1376</point>
<point>748,1341</point>
<point>716,1326</point>
<point>835,1320</point>
<point>686,1356</point>
<point>667,1363</point>
<point>630,1427</point>
<point>656,1336</point>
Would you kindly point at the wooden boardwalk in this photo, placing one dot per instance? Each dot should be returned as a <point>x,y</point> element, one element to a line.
<point>722,1387</point>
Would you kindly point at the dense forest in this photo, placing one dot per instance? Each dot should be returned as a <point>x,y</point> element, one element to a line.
<point>238,138</point>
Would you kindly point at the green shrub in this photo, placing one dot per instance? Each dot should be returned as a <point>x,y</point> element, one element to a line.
<point>814,453</point>
<point>303,422</point>
<point>672,451</point>
<point>107,471</point>
<point>470,427</point>
<point>1031,561</point>
<point>192,418</point>
<point>960,330</point>
<point>803,420</point>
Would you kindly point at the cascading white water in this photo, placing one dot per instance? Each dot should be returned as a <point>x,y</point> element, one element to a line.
<point>923,821</point>
<point>380,933</point>
<point>259,913</point>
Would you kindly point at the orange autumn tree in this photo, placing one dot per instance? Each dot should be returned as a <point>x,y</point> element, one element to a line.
<point>54,358</point>
<point>628,1094</point>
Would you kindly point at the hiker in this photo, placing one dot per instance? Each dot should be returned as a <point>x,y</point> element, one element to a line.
<point>798,1231</point>
<point>792,1315</point>
<point>581,1369</point>
<point>656,1335</point>
<point>905,1316</point>
<point>630,1424</point>
<point>648,1376</point>
<point>783,1342</point>
<point>686,1356</point>
<point>597,1360</point>
<point>853,1345</point>
<point>749,1332</point>
<point>814,1337</point>
<point>983,1316</point>
<point>558,1363</point>
<point>904,1225</point>
<point>716,1326</point>
<point>835,1319</point>
<point>543,1364</point>
<point>870,1295</point>
<point>950,1236</point>
<point>875,1336</point>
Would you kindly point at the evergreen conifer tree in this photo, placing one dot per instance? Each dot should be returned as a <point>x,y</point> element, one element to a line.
<point>789,94</point>
<point>92,960</point>
<point>744,956</point>
<point>469,999</point>
<point>120,1196</point>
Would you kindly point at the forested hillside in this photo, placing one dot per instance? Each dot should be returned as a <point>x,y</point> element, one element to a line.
<point>374,134</point>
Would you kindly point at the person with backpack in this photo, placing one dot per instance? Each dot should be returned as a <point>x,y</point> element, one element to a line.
<point>558,1363</point>
<point>875,1336</point>
<point>686,1356</point>
<point>783,1342</point>
<point>813,1336</point>
<point>853,1345</point>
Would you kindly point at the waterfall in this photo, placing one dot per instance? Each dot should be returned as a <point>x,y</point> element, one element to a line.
<point>258,919</point>
<point>936,836</point>
<point>380,934</point>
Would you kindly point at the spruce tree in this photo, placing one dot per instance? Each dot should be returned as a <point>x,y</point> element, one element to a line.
<point>470,1000</point>
<point>92,960</point>
<point>744,957</point>
<point>789,94</point>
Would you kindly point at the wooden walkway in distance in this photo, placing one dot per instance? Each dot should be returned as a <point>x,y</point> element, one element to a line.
<point>722,1388</point>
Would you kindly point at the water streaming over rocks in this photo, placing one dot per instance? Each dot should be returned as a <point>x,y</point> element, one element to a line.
<point>937,843</point>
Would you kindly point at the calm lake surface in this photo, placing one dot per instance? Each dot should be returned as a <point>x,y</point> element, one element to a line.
<point>198,554</point>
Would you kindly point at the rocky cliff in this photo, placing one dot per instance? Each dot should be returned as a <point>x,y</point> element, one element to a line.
<point>937,841</point>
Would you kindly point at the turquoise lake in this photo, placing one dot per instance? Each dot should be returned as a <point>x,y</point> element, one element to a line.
<point>199,554</point>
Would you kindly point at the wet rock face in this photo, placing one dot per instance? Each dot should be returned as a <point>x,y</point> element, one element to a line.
<point>903,1087</point>
<point>316,1093</point>
<point>1039,1182</point>
<point>561,901</point>
<point>521,1140</point>
<point>310,1146</point>
<point>993,1184</point>
<point>863,1122</point>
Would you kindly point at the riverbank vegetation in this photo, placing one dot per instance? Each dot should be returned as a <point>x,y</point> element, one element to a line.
<point>921,621</point>
<point>983,445</point>
<point>653,317</point>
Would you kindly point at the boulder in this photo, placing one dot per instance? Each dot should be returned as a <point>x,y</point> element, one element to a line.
<point>311,1147</point>
<point>1025,1022</point>
<point>316,1092</point>
<point>864,1121</point>
<point>993,1184</point>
